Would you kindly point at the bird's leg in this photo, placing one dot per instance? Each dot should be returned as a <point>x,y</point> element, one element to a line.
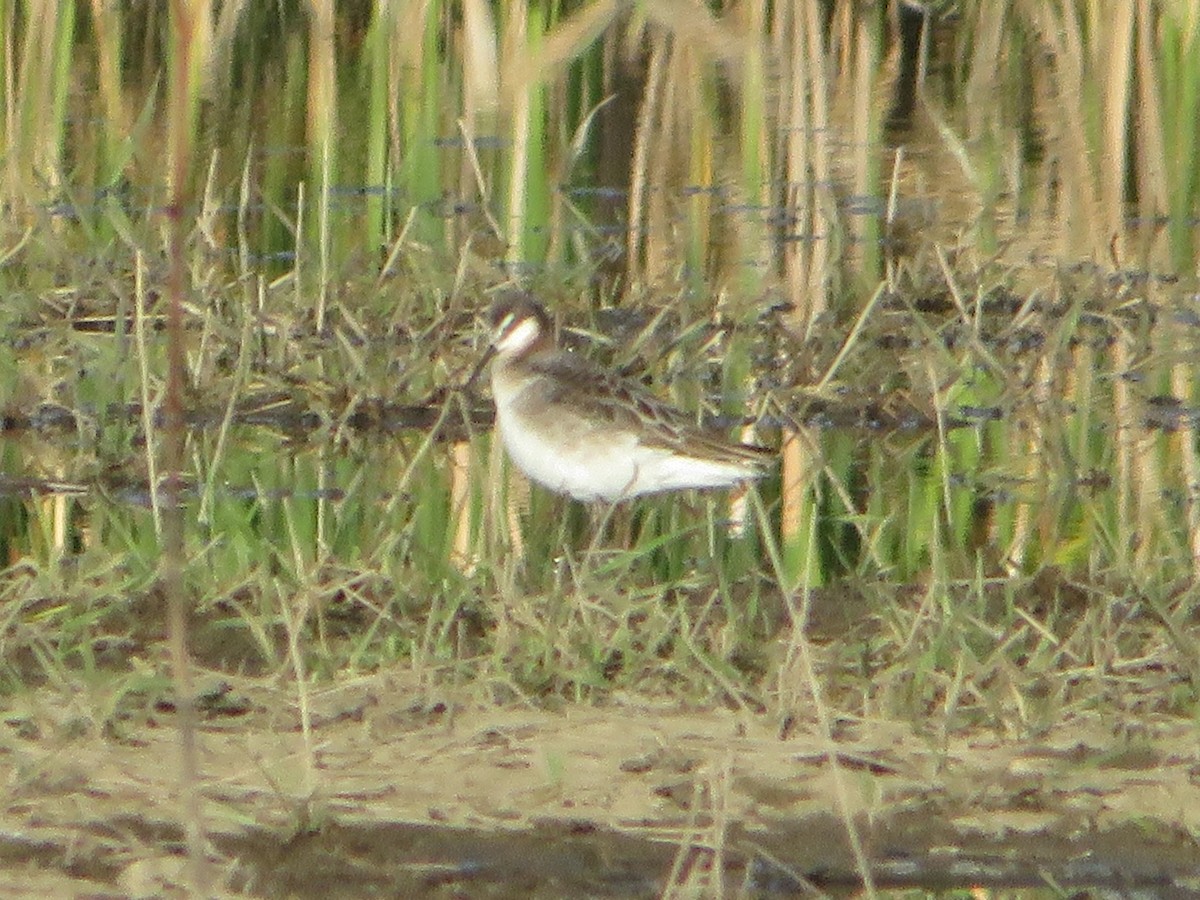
<point>600,513</point>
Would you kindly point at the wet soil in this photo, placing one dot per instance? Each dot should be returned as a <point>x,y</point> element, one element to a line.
<point>410,793</point>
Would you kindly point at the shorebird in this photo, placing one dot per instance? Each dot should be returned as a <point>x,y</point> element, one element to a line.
<point>578,429</point>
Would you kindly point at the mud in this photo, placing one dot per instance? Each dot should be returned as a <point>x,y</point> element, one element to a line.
<point>410,792</point>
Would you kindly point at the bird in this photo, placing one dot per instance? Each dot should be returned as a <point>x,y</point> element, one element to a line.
<point>581,430</point>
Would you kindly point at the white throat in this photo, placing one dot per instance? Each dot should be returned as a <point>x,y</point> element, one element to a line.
<point>518,339</point>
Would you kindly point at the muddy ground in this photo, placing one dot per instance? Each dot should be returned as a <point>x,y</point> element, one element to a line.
<point>443,797</point>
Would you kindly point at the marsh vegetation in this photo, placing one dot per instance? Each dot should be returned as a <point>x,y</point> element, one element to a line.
<point>942,256</point>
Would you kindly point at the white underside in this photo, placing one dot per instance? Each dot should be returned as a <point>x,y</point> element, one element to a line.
<point>591,464</point>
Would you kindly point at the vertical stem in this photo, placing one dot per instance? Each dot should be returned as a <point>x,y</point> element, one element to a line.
<point>187,15</point>
<point>516,224</point>
<point>322,129</point>
<point>648,119</point>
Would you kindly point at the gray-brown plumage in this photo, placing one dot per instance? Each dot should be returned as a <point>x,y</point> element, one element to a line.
<point>581,430</point>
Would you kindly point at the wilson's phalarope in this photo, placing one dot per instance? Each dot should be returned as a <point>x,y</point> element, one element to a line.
<point>578,429</point>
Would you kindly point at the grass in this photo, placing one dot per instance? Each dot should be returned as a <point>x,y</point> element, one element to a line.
<point>989,483</point>
<point>983,583</point>
<point>988,457</point>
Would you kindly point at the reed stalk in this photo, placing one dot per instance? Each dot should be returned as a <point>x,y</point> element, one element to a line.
<point>190,20</point>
